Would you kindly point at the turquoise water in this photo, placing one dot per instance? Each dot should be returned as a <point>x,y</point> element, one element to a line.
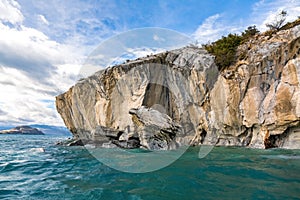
<point>26,172</point>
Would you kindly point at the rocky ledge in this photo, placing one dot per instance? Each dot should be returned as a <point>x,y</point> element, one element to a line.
<point>24,130</point>
<point>180,98</point>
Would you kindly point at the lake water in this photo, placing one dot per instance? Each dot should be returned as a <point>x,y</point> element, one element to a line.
<point>33,167</point>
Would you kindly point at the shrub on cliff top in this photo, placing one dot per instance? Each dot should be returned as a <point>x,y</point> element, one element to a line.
<point>249,32</point>
<point>225,48</point>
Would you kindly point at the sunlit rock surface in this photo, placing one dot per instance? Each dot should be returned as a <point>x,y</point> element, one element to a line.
<point>180,98</point>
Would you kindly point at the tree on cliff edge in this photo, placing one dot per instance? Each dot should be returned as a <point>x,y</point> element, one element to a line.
<point>278,21</point>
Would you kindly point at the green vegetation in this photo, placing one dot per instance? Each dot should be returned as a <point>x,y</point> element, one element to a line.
<point>249,32</point>
<point>291,24</point>
<point>225,48</point>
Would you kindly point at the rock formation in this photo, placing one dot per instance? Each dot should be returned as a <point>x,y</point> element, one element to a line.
<point>156,130</point>
<point>24,130</point>
<point>180,98</point>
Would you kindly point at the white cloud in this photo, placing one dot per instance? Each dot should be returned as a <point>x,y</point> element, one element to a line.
<point>32,100</point>
<point>212,29</point>
<point>33,69</point>
<point>43,19</point>
<point>265,11</point>
<point>25,100</point>
<point>10,12</point>
<point>134,53</point>
<point>28,100</point>
<point>28,49</point>
<point>142,52</point>
<point>77,23</point>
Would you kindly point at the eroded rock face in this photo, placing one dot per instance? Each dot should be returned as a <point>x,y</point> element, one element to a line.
<point>156,130</point>
<point>170,83</point>
<point>254,103</point>
<point>258,98</point>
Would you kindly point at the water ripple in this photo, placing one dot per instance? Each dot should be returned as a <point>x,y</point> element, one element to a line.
<point>34,168</point>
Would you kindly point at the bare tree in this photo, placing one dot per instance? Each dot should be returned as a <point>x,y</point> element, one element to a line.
<point>278,21</point>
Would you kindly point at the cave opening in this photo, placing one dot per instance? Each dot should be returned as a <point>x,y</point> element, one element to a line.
<point>202,136</point>
<point>161,98</point>
<point>276,141</point>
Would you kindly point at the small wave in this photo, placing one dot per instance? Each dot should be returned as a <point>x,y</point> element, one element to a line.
<point>294,157</point>
<point>40,149</point>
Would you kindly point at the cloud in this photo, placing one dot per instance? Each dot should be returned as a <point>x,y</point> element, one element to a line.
<point>265,11</point>
<point>42,19</point>
<point>262,12</point>
<point>77,23</point>
<point>33,52</point>
<point>28,49</point>
<point>2,112</point>
<point>26,98</point>
<point>10,12</point>
<point>213,28</point>
<point>33,70</point>
<point>26,110</point>
<point>134,53</point>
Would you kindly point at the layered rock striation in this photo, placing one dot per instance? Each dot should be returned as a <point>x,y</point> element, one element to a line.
<point>180,98</point>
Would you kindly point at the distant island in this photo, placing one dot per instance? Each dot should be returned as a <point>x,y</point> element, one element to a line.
<point>24,130</point>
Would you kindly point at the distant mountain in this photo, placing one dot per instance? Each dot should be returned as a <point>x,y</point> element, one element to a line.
<point>46,129</point>
<point>53,130</point>
<point>23,130</point>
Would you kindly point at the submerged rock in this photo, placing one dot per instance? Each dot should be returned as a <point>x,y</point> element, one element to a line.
<point>180,98</point>
<point>24,130</point>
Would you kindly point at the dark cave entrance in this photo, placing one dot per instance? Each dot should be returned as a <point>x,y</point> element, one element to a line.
<point>160,97</point>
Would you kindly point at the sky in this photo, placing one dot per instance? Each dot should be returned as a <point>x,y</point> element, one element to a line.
<point>44,43</point>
